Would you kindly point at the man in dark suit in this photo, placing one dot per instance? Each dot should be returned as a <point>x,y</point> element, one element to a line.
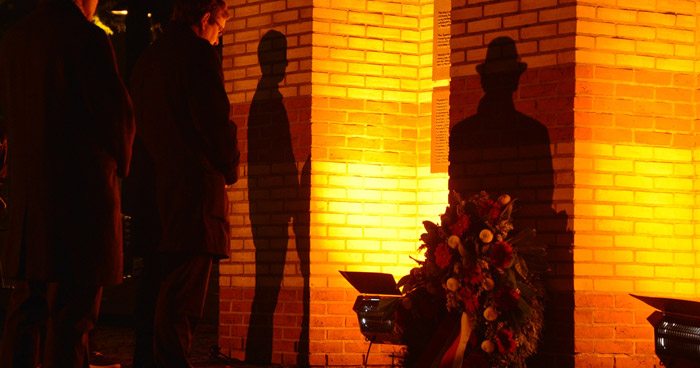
<point>182,118</point>
<point>69,132</point>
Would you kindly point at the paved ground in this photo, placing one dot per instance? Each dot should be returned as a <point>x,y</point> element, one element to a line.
<point>114,338</point>
<point>114,335</point>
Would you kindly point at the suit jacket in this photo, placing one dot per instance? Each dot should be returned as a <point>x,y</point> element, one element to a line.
<point>182,117</point>
<point>69,131</point>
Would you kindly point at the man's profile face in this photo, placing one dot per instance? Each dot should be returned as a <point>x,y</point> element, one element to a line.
<point>211,31</point>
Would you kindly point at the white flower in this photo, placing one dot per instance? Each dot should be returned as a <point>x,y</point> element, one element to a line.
<point>486,236</point>
<point>504,199</point>
<point>488,346</point>
<point>488,284</point>
<point>490,314</point>
<point>452,284</point>
<point>453,241</point>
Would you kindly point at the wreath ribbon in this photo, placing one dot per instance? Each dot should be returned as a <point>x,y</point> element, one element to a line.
<point>454,356</point>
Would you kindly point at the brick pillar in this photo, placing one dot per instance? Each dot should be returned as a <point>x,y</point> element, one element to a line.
<point>529,153</point>
<point>358,95</point>
<point>612,192</point>
<point>273,180</point>
<point>615,86</point>
<point>635,157</point>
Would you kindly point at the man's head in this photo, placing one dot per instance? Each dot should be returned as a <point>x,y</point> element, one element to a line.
<point>207,18</point>
<point>272,55</point>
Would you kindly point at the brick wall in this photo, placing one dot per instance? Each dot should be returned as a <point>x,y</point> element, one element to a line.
<point>536,170</point>
<point>250,21</point>
<point>612,192</point>
<point>358,95</point>
<point>635,158</point>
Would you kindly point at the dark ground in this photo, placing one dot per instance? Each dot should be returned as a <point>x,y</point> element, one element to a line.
<point>114,335</point>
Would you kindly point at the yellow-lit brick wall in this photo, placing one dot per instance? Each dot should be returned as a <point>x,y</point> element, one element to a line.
<point>614,83</point>
<point>250,21</point>
<point>544,35</point>
<point>634,170</point>
<point>370,150</point>
<point>358,95</point>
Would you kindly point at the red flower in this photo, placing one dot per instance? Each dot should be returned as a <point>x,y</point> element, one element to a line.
<point>470,300</point>
<point>506,299</point>
<point>489,210</point>
<point>443,258</point>
<point>501,254</point>
<point>459,227</point>
<point>505,341</point>
<point>474,276</point>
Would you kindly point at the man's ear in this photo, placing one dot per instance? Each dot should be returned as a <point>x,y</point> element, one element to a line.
<point>204,20</point>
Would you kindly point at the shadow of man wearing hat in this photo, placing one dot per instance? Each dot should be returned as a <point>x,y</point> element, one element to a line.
<point>501,150</point>
<point>497,124</point>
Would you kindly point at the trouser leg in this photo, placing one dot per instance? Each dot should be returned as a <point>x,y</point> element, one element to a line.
<point>179,306</point>
<point>25,324</point>
<point>144,313</point>
<point>73,311</point>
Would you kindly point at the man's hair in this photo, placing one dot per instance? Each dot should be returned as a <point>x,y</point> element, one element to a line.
<point>191,12</point>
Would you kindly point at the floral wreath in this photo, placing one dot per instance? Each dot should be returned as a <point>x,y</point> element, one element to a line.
<point>486,275</point>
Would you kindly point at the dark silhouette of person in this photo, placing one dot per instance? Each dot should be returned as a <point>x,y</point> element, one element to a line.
<point>189,150</point>
<point>501,150</point>
<point>70,129</point>
<point>276,195</point>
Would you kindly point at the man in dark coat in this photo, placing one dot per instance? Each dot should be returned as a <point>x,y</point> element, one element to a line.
<point>182,118</point>
<point>69,132</point>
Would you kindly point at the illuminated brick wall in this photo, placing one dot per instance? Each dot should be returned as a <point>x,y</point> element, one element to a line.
<point>250,21</point>
<point>544,34</point>
<point>635,165</point>
<point>615,86</point>
<point>624,155</point>
<point>358,95</point>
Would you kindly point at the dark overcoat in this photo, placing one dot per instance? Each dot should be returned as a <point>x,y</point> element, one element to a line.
<point>182,118</point>
<point>69,130</point>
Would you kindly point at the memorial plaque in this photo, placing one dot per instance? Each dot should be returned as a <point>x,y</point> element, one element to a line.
<point>440,130</point>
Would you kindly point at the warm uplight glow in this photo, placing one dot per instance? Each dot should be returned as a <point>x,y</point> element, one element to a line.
<point>124,12</point>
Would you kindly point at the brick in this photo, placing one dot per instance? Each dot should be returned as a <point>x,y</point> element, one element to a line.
<point>617,44</point>
<point>541,31</point>
<point>593,240</point>
<point>634,271</point>
<point>593,269</point>
<point>613,316</point>
<point>612,285</point>
<point>484,25</point>
<point>673,272</point>
<point>536,4</point>
<point>519,20</point>
<point>617,15</point>
<point>595,28</point>
<point>618,226</point>
<point>560,13</point>
<point>614,347</point>
<point>675,65</point>
<point>594,332</point>
<point>674,35</point>
<point>634,211</point>
<point>501,8</point>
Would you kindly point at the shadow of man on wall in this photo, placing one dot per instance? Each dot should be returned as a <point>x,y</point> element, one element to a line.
<point>501,150</point>
<point>277,194</point>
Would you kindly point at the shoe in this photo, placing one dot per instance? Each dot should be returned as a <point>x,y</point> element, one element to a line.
<point>98,360</point>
